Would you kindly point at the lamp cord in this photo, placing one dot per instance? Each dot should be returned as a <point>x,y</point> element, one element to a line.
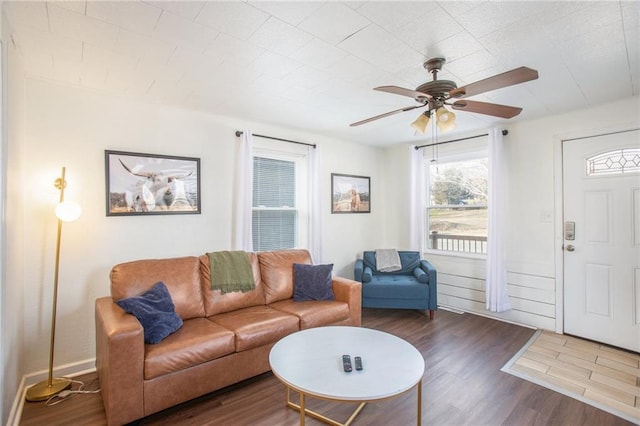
<point>65,394</point>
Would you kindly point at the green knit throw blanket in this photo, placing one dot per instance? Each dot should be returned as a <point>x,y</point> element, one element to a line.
<point>231,271</point>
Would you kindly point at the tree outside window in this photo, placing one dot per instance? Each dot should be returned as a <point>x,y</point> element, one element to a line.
<point>457,211</point>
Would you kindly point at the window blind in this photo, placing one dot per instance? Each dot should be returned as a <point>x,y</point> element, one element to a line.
<point>275,215</point>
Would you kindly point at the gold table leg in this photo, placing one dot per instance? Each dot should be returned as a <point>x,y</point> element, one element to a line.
<point>420,402</point>
<point>307,412</point>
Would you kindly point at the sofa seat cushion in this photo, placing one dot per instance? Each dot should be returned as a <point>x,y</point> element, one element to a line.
<point>257,325</point>
<point>199,340</point>
<point>395,287</point>
<point>315,313</point>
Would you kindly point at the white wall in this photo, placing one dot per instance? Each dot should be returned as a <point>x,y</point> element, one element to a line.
<point>531,216</point>
<point>72,128</point>
<point>347,235</point>
<point>12,277</point>
<point>395,233</point>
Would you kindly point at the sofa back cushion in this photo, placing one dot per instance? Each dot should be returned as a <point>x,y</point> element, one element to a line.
<point>181,275</point>
<point>215,302</point>
<point>276,269</point>
<point>408,259</point>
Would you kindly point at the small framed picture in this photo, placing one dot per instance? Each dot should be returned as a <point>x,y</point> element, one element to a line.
<point>350,194</point>
<point>151,184</point>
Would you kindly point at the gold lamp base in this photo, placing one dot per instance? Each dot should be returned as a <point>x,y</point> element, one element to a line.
<point>42,391</point>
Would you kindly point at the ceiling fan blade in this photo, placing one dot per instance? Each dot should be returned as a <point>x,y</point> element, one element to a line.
<point>386,114</point>
<point>509,78</point>
<point>503,111</point>
<point>418,96</point>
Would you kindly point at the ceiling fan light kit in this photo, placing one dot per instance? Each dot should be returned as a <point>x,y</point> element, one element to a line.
<point>446,120</point>
<point>421,123</point>
<point>435,94</point>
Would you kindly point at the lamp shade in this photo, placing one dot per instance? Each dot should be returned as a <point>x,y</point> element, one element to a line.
<point>420,125</point>
<point>68,211</point>
<point>446,120</point>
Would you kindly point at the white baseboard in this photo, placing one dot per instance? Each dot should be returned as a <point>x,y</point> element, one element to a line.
<point>462,311</point>
<point>16,408</point>
<point>68,370</point>
<point>450,309</point>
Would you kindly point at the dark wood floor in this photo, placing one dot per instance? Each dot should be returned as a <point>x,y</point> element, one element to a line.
<point>463,385</point>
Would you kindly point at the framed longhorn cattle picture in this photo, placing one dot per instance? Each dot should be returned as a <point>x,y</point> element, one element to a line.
<point>151,184</point>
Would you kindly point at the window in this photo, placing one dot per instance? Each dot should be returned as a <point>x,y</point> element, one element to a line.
<point>457,203</point>
<point>614,162</point>
<point>279,217</point>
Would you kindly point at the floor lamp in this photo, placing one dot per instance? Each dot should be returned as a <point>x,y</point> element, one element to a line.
<point>66,212</point>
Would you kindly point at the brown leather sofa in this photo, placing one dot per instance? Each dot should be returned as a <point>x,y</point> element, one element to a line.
<point>224,339</point>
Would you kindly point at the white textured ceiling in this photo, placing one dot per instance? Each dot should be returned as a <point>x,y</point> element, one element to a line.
<point>312,65</point>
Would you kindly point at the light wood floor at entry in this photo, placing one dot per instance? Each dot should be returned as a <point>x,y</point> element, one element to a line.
<point>596,372</point>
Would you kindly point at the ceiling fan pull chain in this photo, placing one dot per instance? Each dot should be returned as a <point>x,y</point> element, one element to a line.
<point>434,150</point>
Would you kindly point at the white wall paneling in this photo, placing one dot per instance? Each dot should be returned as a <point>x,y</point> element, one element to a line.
<point>461,285</point>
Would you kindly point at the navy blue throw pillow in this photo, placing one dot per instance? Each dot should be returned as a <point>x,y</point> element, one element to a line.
<point>155,311</point>
<point>312,282</point>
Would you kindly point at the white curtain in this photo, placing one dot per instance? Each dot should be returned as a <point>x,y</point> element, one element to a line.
<point>496,287</point>
<point>417,220</point>
<point>315,201</point>
<point>243,200</point>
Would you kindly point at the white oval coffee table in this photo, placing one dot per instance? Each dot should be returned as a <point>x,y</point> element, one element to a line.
<point>310,363</point>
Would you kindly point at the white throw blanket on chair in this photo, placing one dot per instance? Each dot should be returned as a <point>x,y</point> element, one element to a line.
<point>388,260</point>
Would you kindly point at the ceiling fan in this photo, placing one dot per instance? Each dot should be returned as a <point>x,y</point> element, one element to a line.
<point>436,94</point>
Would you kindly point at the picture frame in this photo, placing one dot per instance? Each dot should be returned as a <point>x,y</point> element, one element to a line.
<point>139,184</point>
<point>350,194</point>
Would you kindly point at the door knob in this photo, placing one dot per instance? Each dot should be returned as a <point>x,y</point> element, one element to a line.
<point>570,247</point>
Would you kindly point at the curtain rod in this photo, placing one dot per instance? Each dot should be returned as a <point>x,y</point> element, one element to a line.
<point>239,133</point>
<point>504,133</point>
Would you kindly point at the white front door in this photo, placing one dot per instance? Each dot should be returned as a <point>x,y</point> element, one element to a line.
<point>601,191</point>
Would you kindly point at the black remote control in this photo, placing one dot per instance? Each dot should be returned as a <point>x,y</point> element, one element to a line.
<point>358,362</point>
<point>346,363</point>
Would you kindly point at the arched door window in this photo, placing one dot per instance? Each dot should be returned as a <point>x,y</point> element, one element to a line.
<point>614,162</point>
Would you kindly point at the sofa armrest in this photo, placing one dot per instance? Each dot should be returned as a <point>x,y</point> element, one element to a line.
<point>119,362</point>
<point>350,291</point>
<point>433,283</point>
<point>358,269</point>
<point>421,275</point>
<point>367,274</point>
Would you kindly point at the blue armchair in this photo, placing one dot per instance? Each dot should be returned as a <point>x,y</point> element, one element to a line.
<point>412,287</point>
